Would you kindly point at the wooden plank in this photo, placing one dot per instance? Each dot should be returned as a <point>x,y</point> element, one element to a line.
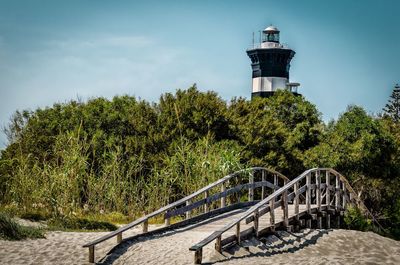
<point>318,187</point>
<point>206,204</point>
<point>263,173</point>
<point>238,232</point>
<point>223,198</point>
<point>255,222</point>
<point>337,192</point>
<point>308,192</point>
<point>303,189</point>
<point>188,213</point>
<point>296,198</point>
<point>272,211</point>
<point>285,209</point>
<point>328,191</point>
<point>344,197</point>
<point>251,189</point>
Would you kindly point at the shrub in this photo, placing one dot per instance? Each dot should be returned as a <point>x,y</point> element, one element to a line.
<point>68,223</point>
<point>11,230</point>
<point>354,219</point>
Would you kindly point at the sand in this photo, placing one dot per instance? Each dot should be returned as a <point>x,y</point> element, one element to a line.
<point>306,247</point>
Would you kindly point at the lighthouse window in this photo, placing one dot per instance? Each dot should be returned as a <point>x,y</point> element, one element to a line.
<point>273,37</point>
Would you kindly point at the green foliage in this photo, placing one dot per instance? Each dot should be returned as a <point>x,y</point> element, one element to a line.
<point>11,230</point>
<point>355,219</point>
<point>275,131</point>
<point>68,223</point>
<point>115,160</point>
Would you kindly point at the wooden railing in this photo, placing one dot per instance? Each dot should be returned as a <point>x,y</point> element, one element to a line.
<point>213,198</point>
<point>325,191</point>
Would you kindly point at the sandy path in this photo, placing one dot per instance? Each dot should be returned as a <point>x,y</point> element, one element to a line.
<point>56,248</point>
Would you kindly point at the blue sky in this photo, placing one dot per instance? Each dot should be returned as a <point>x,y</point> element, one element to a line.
<point>347,52</point>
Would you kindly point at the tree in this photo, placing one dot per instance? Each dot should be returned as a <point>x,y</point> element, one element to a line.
<point>392,108</point>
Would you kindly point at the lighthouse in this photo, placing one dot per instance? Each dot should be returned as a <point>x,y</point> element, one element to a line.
<point>270,63</point>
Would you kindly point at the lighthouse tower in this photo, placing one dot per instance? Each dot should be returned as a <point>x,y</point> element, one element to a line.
<point>270,62</point>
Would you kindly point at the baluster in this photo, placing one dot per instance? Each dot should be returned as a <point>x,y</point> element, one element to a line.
<point>198,256</point>
<point>328,189</point>
<point>145,226</point>
<point>223,199</point>
<point>296,198</point>
<point>255,222</point>
<point>272,213</point>
<point>251,188</point>
<point>263,187</point>
<point>91,254</point>
<point>285,208</point>
<point>308,193</point>
<point>337,193</point>
<point>344,196</point>
<point>318,187</point>
<point>238,232</point>
<point>188,213</point>
<point>206,205</point>
<point>218,246</point>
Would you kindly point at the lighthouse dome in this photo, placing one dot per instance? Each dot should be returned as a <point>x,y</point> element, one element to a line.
<point>271,29</point>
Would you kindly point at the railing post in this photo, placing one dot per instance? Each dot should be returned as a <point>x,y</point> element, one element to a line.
<point>238,232</point>
<point>328,189</point>
<point>218,246</point>
<point>223,199</point>
<point>308,197</point>
<point>256,215</point>
<point>251,189</point>
<point>91,254</point>
<point>198,256</point>
<point>337,193</point>
<point>206,205</point>
<point>318,187</point>
<point>188,213</point>
<point>145,226</point>
<point>263,187</point>
<point>275,182</point>
<point>167,221</point>
<point>272,213</point>
<point>285,208</point>
<point>308,192</point>
<point>284,195</point>
<point>344,196</point>
<point>296,198</point>
<point>119,237</point>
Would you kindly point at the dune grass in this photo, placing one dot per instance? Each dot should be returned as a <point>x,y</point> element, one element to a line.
<point>11,230</point>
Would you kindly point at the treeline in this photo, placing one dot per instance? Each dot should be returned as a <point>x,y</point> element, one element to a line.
<point>130,156</point>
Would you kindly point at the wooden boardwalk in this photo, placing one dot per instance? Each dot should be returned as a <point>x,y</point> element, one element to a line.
<point>252,203</point>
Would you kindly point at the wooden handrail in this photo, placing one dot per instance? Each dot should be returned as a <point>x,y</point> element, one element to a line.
<point>189,204</point>
<point>254,212</point>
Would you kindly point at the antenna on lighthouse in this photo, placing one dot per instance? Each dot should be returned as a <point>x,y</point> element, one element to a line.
<point>253,39</point>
